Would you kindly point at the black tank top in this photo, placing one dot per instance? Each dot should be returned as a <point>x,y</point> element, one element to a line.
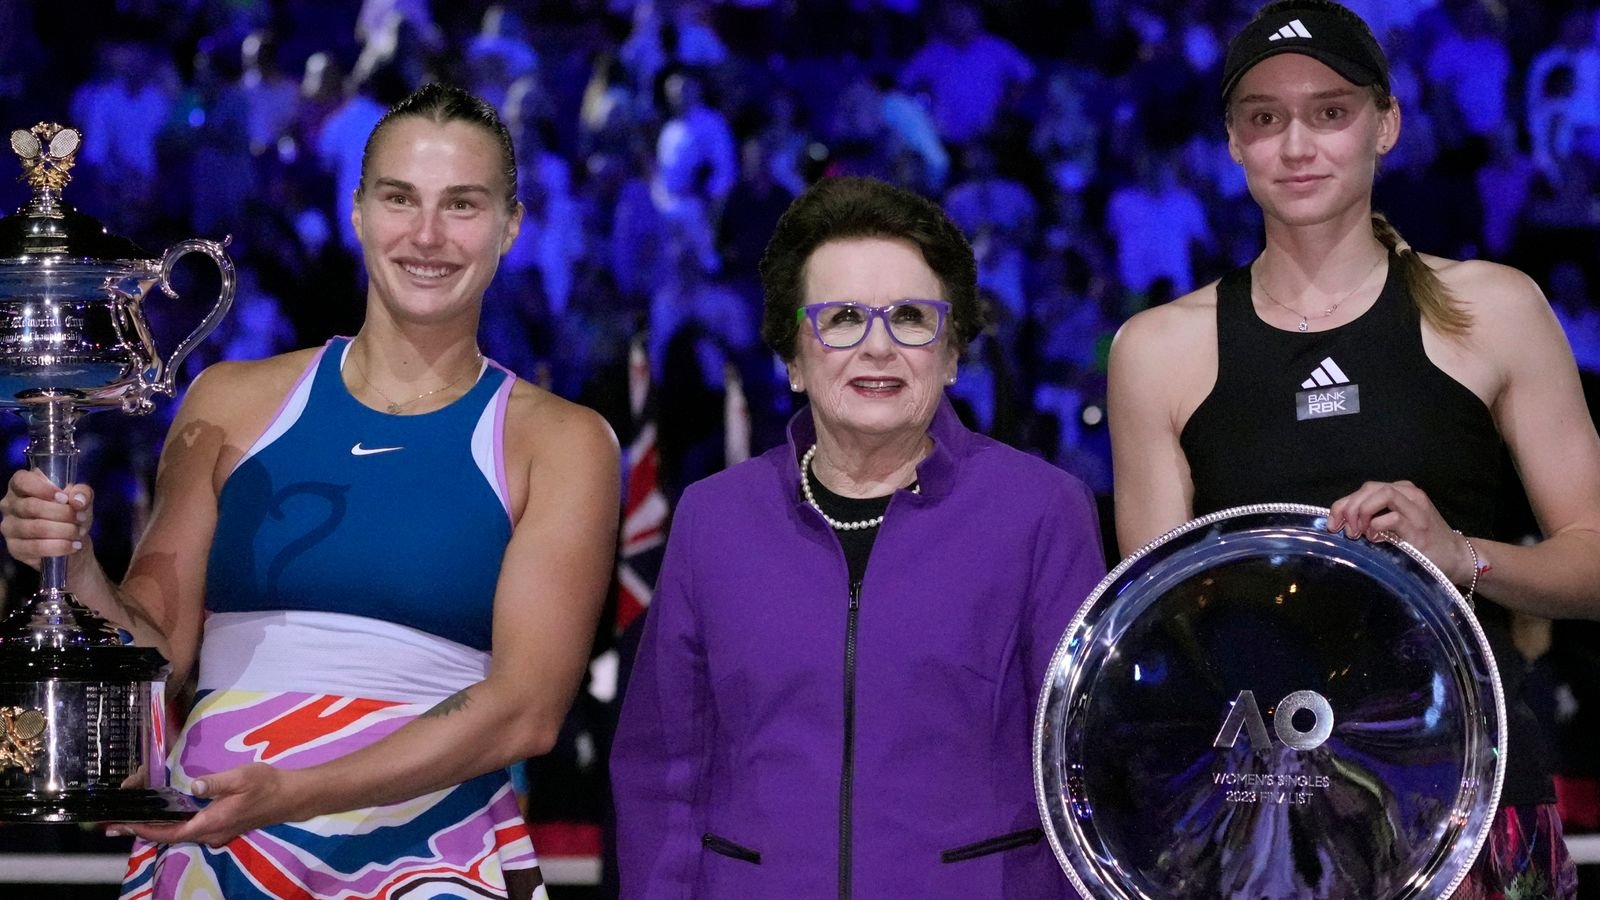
<point>1307,417</point>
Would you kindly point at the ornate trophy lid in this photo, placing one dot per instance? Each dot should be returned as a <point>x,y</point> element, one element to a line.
<point>47,231</point>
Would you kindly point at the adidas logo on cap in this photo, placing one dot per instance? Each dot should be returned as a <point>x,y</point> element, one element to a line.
<point>1294,29</point>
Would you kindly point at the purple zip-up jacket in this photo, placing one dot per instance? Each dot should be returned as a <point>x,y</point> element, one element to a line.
<point>733,771</point>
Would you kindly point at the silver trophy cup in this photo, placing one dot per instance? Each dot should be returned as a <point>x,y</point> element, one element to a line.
<point>80,711</point>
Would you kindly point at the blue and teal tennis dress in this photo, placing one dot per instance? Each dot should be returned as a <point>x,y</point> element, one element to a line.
<point>349,589</point>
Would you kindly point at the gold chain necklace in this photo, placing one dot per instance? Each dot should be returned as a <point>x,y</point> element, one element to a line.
<point>1305,320</point>
<point>395,406</point>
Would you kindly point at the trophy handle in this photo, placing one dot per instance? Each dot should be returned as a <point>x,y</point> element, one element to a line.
<point>165,375</point>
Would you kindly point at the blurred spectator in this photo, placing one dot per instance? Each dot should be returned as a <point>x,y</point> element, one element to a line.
<point>998,216</point>
<point>692,294</point>
<point>1471,67</point>
<point>19,47</point>
<point>1432,203</point>
<point>858,136</point>
<point>255,327</point>
<point>689,377</point>
<point>911,135</point>
<point>215,132</point>
<point>271,98</point>
<point>1505,185</point>
<point>289,240</point>
<point>343,139</point>
<point>1388,16</point>
<point>1202,47</point>
<point>1066,141</point>
<point>1563,90</point>
<point>970,75</point>
<point>752,212</point>
<point>695,167</point>
<point>499,53</point>
<point>783,145</point>
<point>638,232</point>
<point>503,68</point>
<point>552,238</point>
<point>669,33</point>
<point>120,112</point>
<point>379,24</point>
<point>1207,165</point>
<point>1157,222</point>
<point>321,92</point>
<point>1575,309</point>
<point>608,113</point>
<point>1564,200</point>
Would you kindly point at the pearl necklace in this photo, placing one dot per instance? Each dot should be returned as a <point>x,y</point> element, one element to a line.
<point>1305,320</point>
<point>835,524</point>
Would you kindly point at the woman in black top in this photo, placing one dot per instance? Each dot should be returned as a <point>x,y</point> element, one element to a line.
<point>1344,368</point>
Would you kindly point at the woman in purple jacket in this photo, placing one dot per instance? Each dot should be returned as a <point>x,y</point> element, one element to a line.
<point>835,688</point>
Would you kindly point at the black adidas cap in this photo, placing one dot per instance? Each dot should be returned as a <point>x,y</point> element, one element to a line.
<point>1315,31</point>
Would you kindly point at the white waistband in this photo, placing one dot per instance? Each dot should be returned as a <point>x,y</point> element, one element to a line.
<point>333,653</point>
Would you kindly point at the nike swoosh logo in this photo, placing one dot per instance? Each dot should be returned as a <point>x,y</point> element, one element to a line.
<point>359,450</point>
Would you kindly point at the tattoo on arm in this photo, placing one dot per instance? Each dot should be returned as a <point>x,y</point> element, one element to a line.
<point>137,616</point>
<point>448,705</point>
<point>134,610</point>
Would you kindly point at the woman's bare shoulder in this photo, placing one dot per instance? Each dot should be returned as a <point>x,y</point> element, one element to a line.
<point>543,424</point>
<point>244,388</point>
<point>1490,286</point>
<point>1188,322</point>
<point>226,408</point>
<point>1506,306</point>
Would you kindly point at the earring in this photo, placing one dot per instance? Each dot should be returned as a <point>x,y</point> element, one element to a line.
<point>949,381</point>
<point>794,388</point>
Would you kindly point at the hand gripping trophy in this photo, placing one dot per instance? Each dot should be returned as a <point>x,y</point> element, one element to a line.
<point>79,711</point>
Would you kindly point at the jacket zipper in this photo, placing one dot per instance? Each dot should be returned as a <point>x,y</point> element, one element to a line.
<point>847,772</point>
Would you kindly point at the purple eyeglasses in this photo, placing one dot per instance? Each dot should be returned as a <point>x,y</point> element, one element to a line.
<point>842,324</point>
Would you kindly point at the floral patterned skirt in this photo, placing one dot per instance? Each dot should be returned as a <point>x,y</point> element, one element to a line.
<point>456,843</point>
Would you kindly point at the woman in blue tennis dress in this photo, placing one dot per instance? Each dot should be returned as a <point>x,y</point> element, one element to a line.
<point>385,555</point>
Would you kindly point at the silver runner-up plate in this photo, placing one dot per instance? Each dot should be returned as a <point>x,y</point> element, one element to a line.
<point>1252,707</point>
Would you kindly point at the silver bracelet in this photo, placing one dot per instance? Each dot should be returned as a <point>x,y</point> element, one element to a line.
<point>1478,568</point>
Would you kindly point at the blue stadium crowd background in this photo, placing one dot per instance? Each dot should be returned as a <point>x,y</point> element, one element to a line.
<point>1078,143</point>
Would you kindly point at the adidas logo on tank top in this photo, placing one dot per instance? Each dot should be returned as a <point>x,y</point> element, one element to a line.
<point>1328,392</point>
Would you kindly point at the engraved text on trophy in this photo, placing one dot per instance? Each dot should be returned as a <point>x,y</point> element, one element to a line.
<point>1283,787</point>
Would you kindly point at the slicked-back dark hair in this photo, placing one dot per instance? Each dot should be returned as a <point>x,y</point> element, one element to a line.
<point>837,209</point>
<point>441,103</point>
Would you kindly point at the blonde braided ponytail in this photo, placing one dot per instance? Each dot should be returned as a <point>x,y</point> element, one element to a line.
<point>1433,300</point>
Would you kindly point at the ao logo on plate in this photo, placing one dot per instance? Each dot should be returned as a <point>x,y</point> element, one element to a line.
<point>1245,714</point>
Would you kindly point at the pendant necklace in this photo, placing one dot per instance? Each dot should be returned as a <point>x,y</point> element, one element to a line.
<point>396,406</point>
<point>1305,320</point>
